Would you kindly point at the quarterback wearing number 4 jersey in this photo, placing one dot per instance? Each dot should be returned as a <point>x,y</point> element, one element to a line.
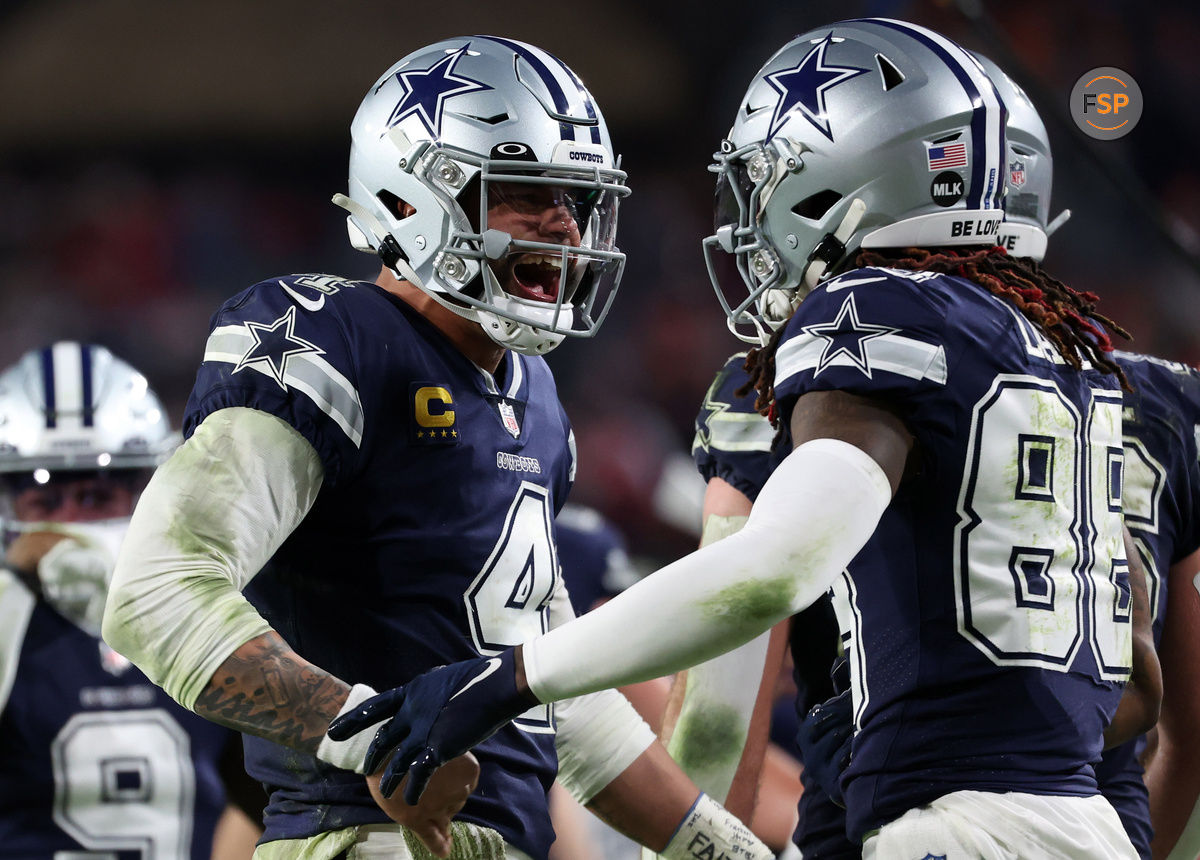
<point>371,474</point>
<point>444,498</point>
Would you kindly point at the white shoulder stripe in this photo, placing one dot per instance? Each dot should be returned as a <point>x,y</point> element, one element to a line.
<point>518,374</point>
<point>308,373</point>
<point>736,432</point>
<point>893,353</point>
<point>16,608</point>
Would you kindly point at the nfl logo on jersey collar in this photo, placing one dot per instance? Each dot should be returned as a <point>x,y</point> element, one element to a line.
<point>509,418</point>
<point>509,405</point>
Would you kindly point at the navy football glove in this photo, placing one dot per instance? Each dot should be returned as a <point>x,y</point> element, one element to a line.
<point>435,717</point>
<point>824,739</point>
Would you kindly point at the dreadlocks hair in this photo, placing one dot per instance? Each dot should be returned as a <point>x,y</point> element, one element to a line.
<point>1068,317</point>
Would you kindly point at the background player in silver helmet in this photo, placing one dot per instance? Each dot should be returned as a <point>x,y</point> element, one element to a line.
<point>951,412</point>
<point>93,757</point>
<point>377,465</point>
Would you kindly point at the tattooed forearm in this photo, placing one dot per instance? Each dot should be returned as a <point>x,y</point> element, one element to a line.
<point>266,689</point>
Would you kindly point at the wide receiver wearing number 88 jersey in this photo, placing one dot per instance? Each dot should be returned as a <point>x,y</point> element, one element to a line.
<point>1013,601</point>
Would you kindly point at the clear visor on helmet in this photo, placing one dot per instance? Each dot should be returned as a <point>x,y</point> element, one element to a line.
<point>42,496</point>
<point>743,177</point>
<point>732,195</point>
<point>543,238</point>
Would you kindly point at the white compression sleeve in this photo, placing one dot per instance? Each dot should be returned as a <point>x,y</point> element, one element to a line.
<point>598,735</point>
<point>208,521</point>
<point>812,517</point>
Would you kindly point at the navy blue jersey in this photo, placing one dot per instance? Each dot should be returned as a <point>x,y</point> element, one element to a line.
<point>93,756</point>
<point>988,618</point>
<point>430,541</point>
<point>1162,502</point>
<point>733,442</point>
<point>595,563</point>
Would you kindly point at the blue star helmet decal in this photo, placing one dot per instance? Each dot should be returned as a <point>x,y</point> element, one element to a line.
<point>806,86</point>
<point>274,344</point>
<point>426,91</point>
<point>847,336</point>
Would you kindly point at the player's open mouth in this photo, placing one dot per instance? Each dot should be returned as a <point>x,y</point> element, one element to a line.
<point>536,277</point>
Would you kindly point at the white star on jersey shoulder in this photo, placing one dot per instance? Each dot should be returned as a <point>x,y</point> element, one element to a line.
<point>274,344</point>
<point>847,336</point>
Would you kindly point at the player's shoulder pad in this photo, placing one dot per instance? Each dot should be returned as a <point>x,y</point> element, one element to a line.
<point>16,608</point>
<point>297,333</point>
<point>721,394</point>
<point>728,422</point>
<point>1160,386</point>
<point>310,294</point>
<point>869,319</point>
<point>925,286</point>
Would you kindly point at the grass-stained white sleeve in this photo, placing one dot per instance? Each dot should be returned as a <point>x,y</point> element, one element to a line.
<point>209,519</point>
<point>812,517</point>
<point>718,700</point>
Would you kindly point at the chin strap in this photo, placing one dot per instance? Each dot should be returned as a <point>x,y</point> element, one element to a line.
<point>389,249</point>
<point>833,246</point>
<point>1061,219</point>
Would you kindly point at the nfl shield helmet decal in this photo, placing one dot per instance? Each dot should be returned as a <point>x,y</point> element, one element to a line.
<point>1016,174</point>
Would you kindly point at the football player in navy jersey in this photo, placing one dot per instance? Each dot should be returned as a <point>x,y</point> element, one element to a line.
<point>1162,511</point>
<point>1161,497</point>
<point>94,759</point>
<point>734,452</point>
<point>371,472</point>
<point>955,473</point>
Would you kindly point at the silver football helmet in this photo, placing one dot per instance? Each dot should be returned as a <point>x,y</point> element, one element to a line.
<point>870,133</point>
<point>449,128</point>
<point>1028,172</point>
<point>75,412</point>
